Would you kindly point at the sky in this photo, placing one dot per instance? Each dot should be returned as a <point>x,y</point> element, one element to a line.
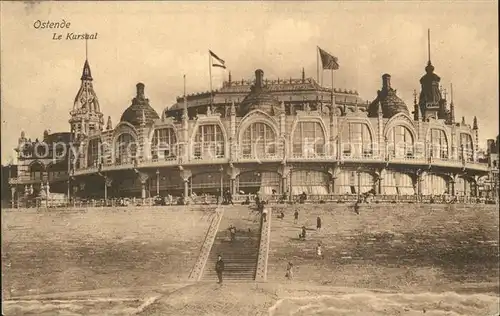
<point>158,42</point>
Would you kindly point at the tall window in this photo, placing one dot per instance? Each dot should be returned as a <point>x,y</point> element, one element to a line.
<point>310,181</point>
<point>434,184</point>
<point>400,142</point>
<point>308,140</point>
<point>348,182</point>
<point>125,149</point>
<point>397,183</point>
<point>36,171</point>
<point>438,144</point>
<point>208,142</point>
<point>164,145</point>
<point>356,140</point>
<point>466,146</point>
<point>93,153</point>
<point>259,140</point>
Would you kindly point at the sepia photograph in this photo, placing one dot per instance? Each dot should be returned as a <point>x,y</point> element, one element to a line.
<point>243,158</point>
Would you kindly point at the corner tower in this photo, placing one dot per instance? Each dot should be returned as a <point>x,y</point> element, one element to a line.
<point>431,102</point>
<point>86,117</point>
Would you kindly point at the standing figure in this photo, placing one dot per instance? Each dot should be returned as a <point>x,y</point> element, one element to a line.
<point>264,214</point>
<point>302,235</point>
<point>319,251</point>
<point>289,271</point>
<point>295,216</point>
<point>232,231</point>
<point>318,223</point>
<point>219,268</point>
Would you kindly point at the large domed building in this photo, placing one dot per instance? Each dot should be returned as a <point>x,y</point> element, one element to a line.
<point>265,136</point>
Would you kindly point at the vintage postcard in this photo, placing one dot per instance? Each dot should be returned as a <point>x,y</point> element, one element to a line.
<point>250,158</point>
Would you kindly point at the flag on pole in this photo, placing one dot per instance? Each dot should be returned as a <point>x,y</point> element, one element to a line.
<point>220,62</point>
<point>329,61</point>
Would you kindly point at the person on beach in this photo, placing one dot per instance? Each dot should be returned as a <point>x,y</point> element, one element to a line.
<point>289,271</point>
<point>319,251</point>
<point>318,223</point>
<point>295,216</point>
<point>302,235</point>
<point>219,268</point>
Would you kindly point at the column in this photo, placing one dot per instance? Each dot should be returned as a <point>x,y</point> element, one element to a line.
<point>105,190</point>
<point>359,184</point>
<point>143,178</point>
<point>13,195</point>
<point>186,188</point>
<point>185,175</point>
<point>108,181</point>
<point>157,182</point>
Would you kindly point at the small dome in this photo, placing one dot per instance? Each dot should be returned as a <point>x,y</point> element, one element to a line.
<point>259,98</point>
<point>140,109</point>
<point>387,98</point>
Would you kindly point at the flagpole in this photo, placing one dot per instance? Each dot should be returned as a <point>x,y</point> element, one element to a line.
<point>210,74</point>
<point>317,63</point>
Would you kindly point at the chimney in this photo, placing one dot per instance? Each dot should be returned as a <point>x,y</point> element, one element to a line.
<point>386,82</point>
<point>140,90</point>
<point>259,79</point>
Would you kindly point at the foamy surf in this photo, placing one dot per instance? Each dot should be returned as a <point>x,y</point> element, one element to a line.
<point>369,303</point>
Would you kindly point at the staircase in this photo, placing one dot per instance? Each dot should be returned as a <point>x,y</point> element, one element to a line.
<point>240,257</point>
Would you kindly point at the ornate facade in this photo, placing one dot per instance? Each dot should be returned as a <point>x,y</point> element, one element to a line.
<point>282,135</point>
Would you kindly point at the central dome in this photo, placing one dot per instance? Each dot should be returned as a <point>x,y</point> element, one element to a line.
<point>387,98</point>
<point>140,111</point>
<point>259,97</point>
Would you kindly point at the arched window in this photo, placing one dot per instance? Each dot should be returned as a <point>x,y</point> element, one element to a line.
<point>466,147</point>
<point>259,140</point>
<point>258,182</point>
<point>308,140</point>
<point>434,184</point>
<point>125,149</point>
<point>348,182</point>
<point>36,171</point>
<point>356,140</point>
<point>164,145</point>
<point>462,187</point>
<point>208,142</point>
<point>438,144</point>
<point>311,182</point>
<point>93,154</point>
<point>400,142</point>
<point>397,183</point>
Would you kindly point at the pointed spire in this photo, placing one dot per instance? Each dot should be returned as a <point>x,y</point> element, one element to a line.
<point>429,68</point>
<point>109,125</point>
<point>474,124</point>
<point>303,75</point>
<point>379,110</point>
<point>429,46</point>
<point>232,109</point>
<point>416,107</point>
<point>452,106</point>
<point>86,74</point>
<point>230,77</point>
